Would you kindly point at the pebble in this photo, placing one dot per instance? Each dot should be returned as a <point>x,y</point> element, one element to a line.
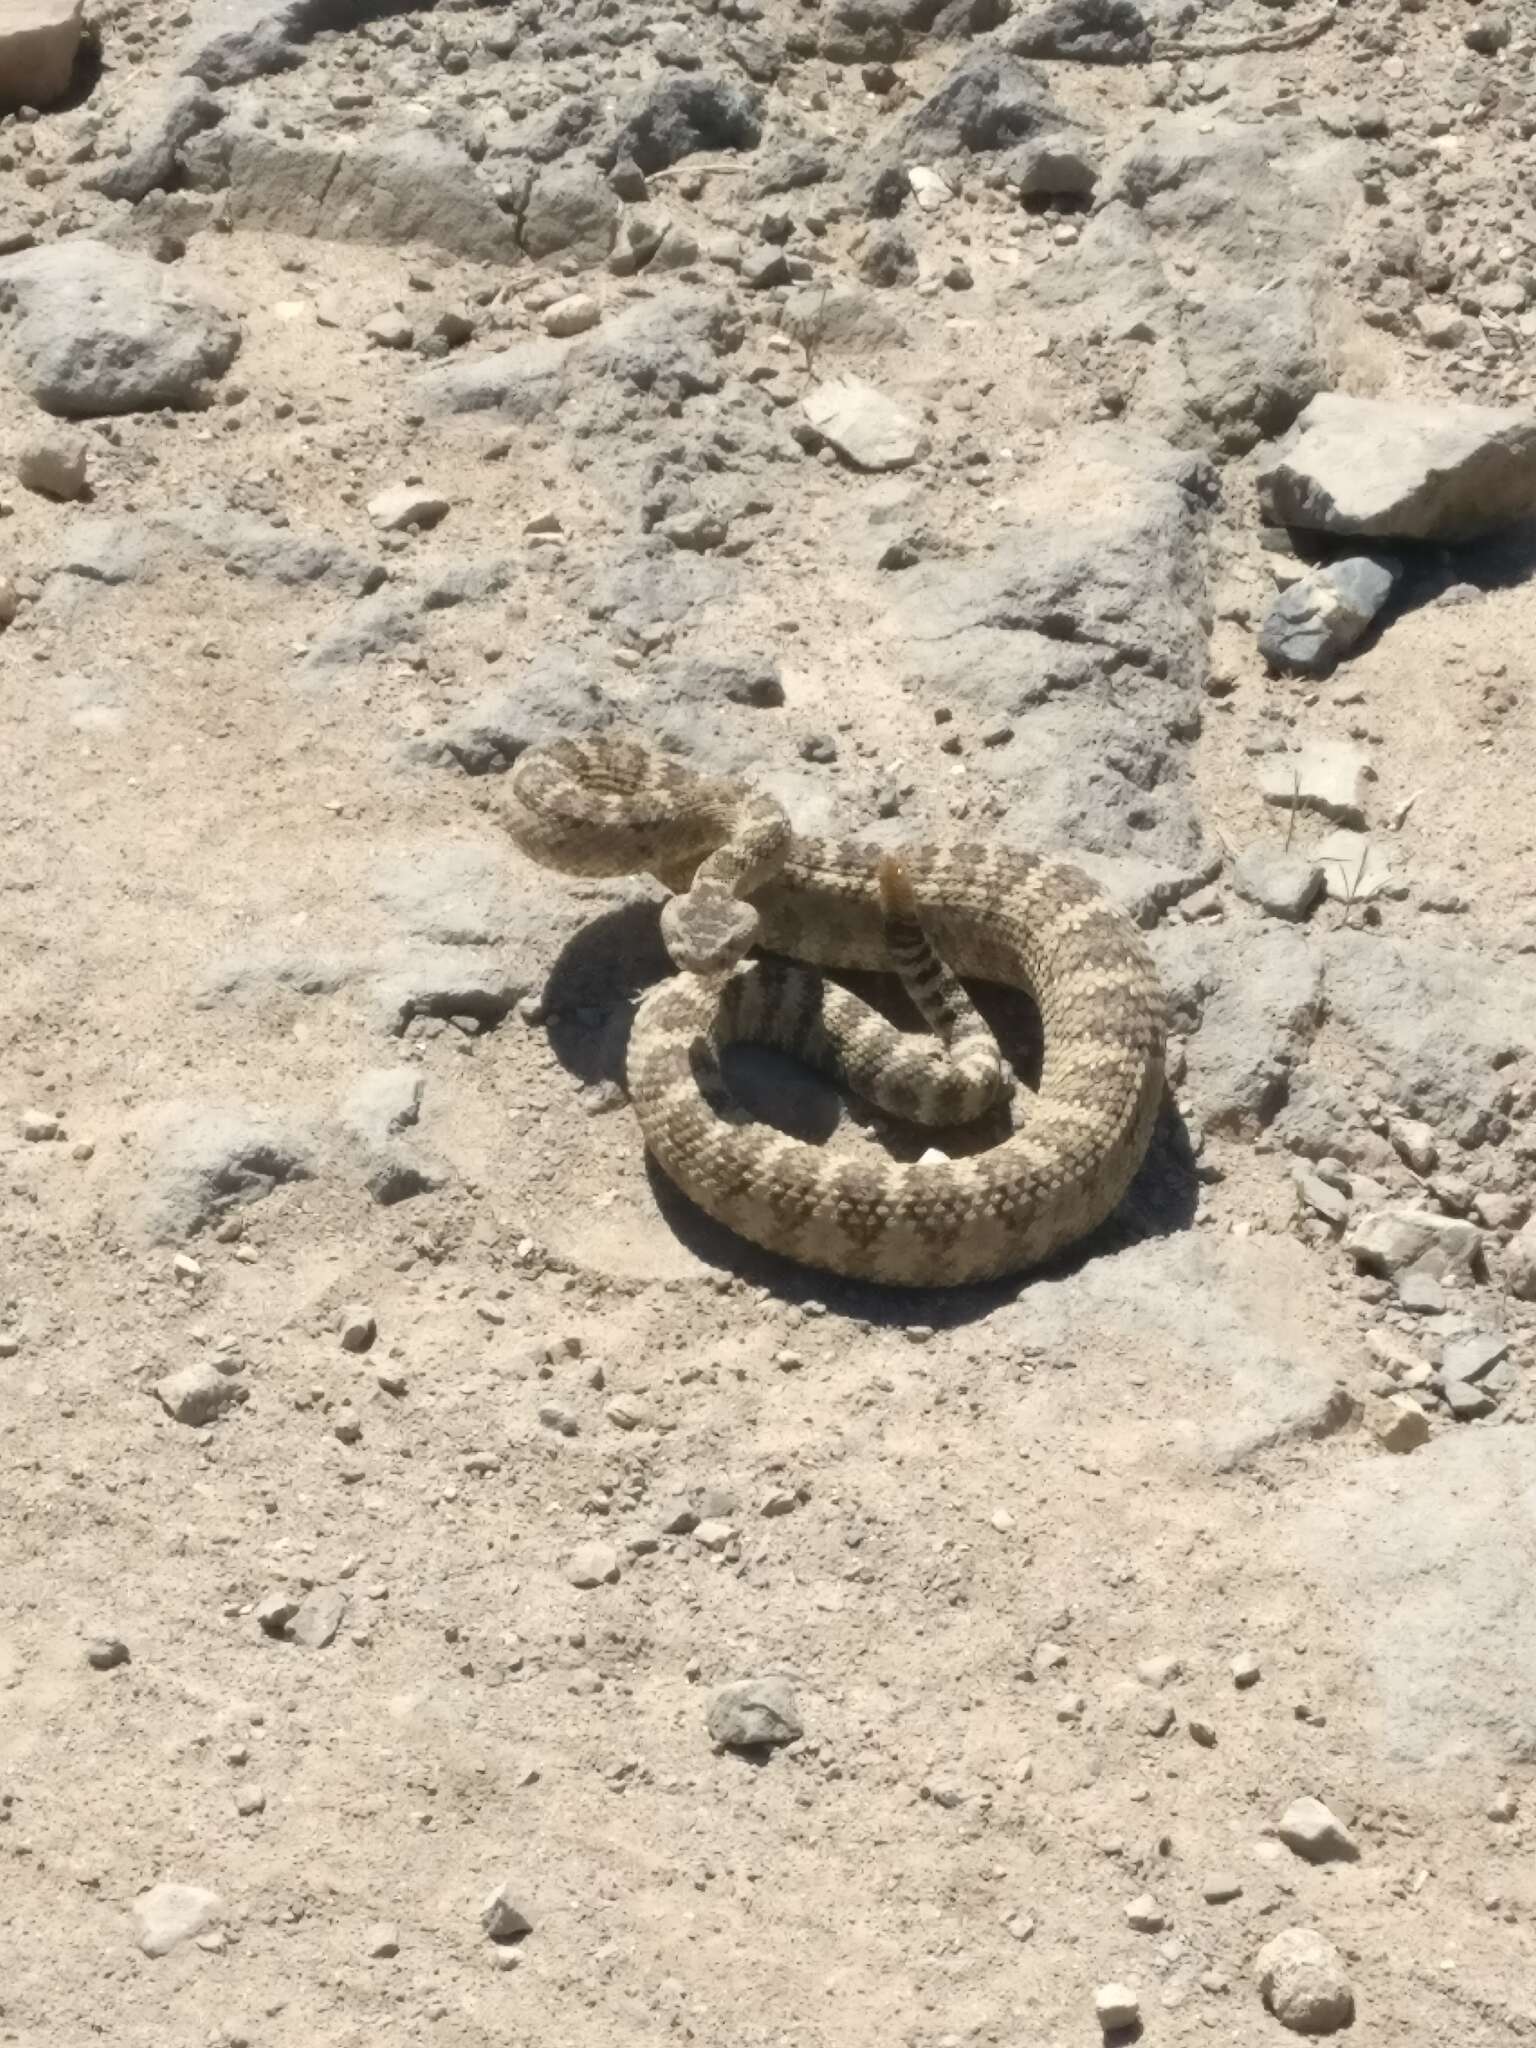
<point>358,1328</point>
<point>754,1713</point>
<point>53,465</point>
<point>573,315</point>
<point>1503,1806</point>
<point>1302,1982</point>
<point>1399,1424</point>
<point>317,1617</point>
<point>403,505</point>
<point>1221,1888</point>
<point>169,1914</point>
<point>105,1653</point>
<point>1315,1834</point>
<point>1246,1670</point>
<point>865,427</point>
<point>1283,883</point>
<point>1466,1402</point>
<point>1146,1915</point>
<point>250,1800</point>
<point>1117,2008</point>
<point>381,1940</point>
<point>501,1919</point>
<point>593,1564</point>
<point>198,1394</point>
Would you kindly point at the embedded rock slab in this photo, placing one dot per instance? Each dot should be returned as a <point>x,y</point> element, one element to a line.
<point>93,330</point>
<point>1389,468</point>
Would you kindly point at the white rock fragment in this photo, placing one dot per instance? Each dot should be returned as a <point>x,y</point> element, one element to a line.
<point>865,427</point>
<point>1399,1424</point>
<point>1117,2008</point>
<point>593,1564</point>
<point>169,1914</point>
<point>53,465</point>
<point>198,1394</point>
<point>1325,775</point>
<point>403,505</point>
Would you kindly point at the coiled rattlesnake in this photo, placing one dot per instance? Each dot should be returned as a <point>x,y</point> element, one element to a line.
<point>610,805</point>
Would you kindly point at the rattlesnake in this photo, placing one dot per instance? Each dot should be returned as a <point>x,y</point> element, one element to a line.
<point>609,805</point>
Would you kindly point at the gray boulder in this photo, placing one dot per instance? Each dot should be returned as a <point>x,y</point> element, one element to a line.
<point>678,117</point>
<point>1314,623</point>
<point>94,330</point>
<point>1403,469</point>
<point>989,101</point>
<point>206,1160</point>
<point>153,160</point>
<point>1084,32</point>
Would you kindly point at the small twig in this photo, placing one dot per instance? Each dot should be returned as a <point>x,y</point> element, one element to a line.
<point>1290,826</point>
<point>691,163</point>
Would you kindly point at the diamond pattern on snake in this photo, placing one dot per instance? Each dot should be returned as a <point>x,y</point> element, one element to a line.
<point>742,879</point>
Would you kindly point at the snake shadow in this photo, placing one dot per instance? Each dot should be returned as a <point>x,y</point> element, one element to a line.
<point>590,999</point>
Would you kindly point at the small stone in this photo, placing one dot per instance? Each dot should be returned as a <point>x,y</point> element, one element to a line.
<point>1146,1915</point>
<point>274,1613</point>
<point>53,465</point>
<point>403,505</point>
<point>169,1914</point>
<point>1283,883</point>
<point>1399,1424</point>
<point>1221,1888</point>
<point>1201,1731</point>
<point>573,315</point>
<point>1504,1806</point>
<point>38,1126</point>
<point>390,330</point>
<point>1413,1142</point>
<point>1466,1402</point>
<point>1440,324</point>
<point>714,1533</point>
<point>381,1940</point>
<point>357,1328</point>
<point>1314,1834</point>
<point>1301,1980</point>
<point>1473,1355</point>
<point>1117,2008</point>
<point>1159,1671</point>
<point>502,1920</point>
<point>317,1617</point>
<point>249,1801</point>
<point>628,1411</point>
<point>755,1713</point>
<point>198,1394</point>
<point>1246,1670</point>
<point>1420,1293</point>
<point>593,1564</point>
<point>105,1653</point>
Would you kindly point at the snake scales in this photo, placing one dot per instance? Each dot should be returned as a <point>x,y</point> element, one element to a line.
<point>608,805</point>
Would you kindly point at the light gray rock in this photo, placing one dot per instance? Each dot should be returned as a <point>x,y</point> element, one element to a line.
<point>1466,1403</point>
<point>1054,167</point>
<point>1083,32</point>
<point>1315,622</point>
<point>115,551</point>
<point>169,1914</point>
<point>448,981</point>
<point>39,40</point>
<point>198,1394</point>
<point>572,315</point>
<point>1399,1424</point>
<point>829,319</point>
<point>1311,1832</point>
<point>1403,469</point>
<point>755,1713</point>
<point>1427,1577</point>
<point>1286,884</point>
<point>1519,1264</point>
<point>317,1617</point>
<point>865,427</point>
<point>571,211</point>
<point>555,696</point>
<point>1356,868</point>
<point>1322,775</point>
<point>94,330</point>
<point>206,1160</point>
<point>382,1103</point>
<point>1249,1013</point>
<point>593,1564</point>
<point>1301,1980</point>
<point>53,465</point>
<point>1388,1241</point>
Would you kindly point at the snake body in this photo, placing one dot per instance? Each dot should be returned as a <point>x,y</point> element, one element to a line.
<point>611,805</point>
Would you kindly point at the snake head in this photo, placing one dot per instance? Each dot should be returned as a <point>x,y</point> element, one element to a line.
<point>708,930</point>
